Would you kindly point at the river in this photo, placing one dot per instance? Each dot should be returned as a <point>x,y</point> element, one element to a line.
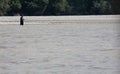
<point>67,48</point>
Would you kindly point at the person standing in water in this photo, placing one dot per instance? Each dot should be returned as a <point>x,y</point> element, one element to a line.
<point>21,20</point>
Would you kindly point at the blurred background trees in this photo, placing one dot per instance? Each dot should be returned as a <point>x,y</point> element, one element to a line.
<point>115,6</point>
<point>4,7</point>
<point>59,7</point>
<point>34,7</point>
<point>15,7</point>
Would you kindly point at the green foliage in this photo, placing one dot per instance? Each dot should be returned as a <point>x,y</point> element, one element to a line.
<point>36,7</point>
<point>15,6</point>
<point>102,7</point>
<point>59,7</point>
<point>4,6</point>
<point>115,6</point>
<point>80,6</point>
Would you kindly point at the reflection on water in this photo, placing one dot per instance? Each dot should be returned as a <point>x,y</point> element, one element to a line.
<point>59,49</point>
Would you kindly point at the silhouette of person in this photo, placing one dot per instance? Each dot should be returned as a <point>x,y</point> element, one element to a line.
<point>21,20</point>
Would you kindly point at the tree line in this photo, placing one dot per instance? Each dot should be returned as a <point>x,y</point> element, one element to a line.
<point>59,7</point>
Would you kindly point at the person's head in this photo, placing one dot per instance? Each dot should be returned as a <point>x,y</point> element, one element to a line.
<point>21,15</point>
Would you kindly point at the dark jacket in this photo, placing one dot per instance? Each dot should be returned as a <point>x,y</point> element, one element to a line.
<point>21,20</point>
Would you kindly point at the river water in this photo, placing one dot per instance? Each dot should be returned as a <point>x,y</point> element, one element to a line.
<point>79,48</point>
